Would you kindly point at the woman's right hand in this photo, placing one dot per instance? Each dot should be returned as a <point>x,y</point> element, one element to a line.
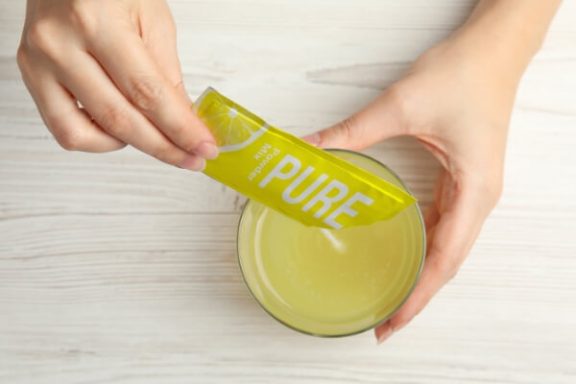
<point>106,73</point>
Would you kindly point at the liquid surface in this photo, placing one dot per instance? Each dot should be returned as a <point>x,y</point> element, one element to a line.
<point>331,282</point>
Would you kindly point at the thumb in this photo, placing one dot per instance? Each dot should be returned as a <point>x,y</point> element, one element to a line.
<point>378,121</point>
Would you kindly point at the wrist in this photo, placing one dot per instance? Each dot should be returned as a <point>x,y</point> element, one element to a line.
<point>469,60</point>
<point>491,54</point>
<point>503,35</point>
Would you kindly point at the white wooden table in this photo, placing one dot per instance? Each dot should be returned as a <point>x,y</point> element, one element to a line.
<point>118,269</point>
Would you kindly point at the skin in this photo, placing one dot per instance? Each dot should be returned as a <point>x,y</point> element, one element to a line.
<point>456,100</point>
<point>118,59</point>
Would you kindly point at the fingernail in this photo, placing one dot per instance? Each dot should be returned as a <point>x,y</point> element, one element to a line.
<point>313,139</point>
<point>207,150</point>
<point>194,163</point>
<point>384,335</point>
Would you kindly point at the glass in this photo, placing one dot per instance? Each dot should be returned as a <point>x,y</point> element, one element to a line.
<point>331,282</point>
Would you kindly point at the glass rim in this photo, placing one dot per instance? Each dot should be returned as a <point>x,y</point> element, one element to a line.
<point>379,321</point>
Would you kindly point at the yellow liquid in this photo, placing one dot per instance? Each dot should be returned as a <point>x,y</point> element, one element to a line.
<point>331,282</point>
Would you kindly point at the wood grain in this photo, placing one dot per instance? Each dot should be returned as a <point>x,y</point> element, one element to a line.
<point>118,269</point>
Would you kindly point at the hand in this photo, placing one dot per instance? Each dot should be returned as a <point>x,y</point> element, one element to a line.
<point>106,73</point>
<point>459,110</point>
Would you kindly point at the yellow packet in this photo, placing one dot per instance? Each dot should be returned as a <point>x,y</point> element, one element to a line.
<point>290,175</point>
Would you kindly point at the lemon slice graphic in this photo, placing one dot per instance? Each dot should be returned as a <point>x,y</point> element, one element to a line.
<point>233,126</point>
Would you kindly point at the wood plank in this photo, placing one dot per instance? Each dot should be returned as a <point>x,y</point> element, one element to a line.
<point>118,269</point>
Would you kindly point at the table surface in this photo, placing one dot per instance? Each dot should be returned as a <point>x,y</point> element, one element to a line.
<point>116,268</point>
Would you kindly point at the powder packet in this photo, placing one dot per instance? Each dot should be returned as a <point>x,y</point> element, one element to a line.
<point>290,175</point>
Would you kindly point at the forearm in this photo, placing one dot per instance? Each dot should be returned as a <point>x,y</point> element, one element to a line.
<point>505,34</point>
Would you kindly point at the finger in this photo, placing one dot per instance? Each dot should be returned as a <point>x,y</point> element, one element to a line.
<point>159,39</point>
<point>70,126</point>
<point>457,228</point>
<point>110,109</point>
<point>135,73</point>
<point>432,215</point>
<point>378,121</point>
